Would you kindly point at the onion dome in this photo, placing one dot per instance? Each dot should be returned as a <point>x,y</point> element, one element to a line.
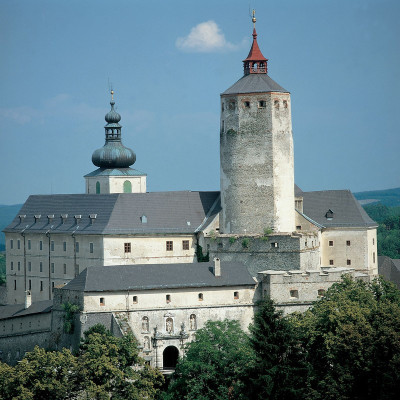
<point>113,154</point>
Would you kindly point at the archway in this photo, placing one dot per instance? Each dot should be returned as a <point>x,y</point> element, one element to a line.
<point>127,187</point>
<point>170,357</point>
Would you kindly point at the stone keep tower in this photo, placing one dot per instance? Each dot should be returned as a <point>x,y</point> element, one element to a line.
<point>256,152</point>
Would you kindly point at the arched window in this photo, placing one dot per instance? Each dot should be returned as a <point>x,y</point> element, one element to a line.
<point>97,187</point>
<point>127,187</point>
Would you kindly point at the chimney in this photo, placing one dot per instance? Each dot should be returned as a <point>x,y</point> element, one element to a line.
<point>217,267</point>
<point>28,299</point>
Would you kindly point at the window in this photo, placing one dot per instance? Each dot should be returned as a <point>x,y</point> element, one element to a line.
<point>52,245</point>
<point>11,244</point>
<point>127,247</point>
<point>65,246</point>
<point>274,245</point>
<point>330,262</point>
<point>41,266</point>
<point>77,247</point>
<point>29,244</point>
<point>231,105</point>
<point>348,262</point>
<point>200,296</point>
<point>29,266</point>
<point>52,268</point>
<point>262,104</point>
<point>65,269</point>
<point>246,104</point>
<point>18,244</point>
<point>41,286</point>
<point>236,295</point>
<point>127,187</point>
<point>331,243</point>
<point>168,298</point>
<point>135,299</point>
<point>15,284</point>
<point>12,265</point>
<point>97,187</point>
<point>373,256</point>
<point>52,287</point>
<point>30,285</point>
<point>294,294</point>
<point>19,266</point>
<point>298,228</point>
<point>102,301</point>
<point>348,243</point>
<point>76,270</point>
<point>321,292</point>
<point>285,104</point>
<point>276,103</point>
<point>91,247</point>
<point>143,219</point>
<point>40,245</point>
<point>170,245</point>
<point>185,244</point>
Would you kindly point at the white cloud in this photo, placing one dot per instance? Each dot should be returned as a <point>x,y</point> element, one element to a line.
<point>205,37</point>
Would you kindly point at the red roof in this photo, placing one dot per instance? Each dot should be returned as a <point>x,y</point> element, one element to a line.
<point>255,52</point>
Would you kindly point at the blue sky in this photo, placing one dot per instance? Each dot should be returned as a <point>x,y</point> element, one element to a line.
<point>168,62</point>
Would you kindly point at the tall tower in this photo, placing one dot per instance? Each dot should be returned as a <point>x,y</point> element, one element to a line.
<point>256,152</point>
<point>114,174</point>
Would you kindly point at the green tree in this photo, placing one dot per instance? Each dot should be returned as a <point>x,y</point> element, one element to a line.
<point>352,337</point>
<point>279,369</point>
<point>106,368</point>
<point>214,364</point>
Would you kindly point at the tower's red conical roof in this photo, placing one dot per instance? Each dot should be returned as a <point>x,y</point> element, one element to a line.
<point>255,52</point>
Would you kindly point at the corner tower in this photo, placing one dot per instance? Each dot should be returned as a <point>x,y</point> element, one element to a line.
<point>114,174</point>
<point>256,152</point>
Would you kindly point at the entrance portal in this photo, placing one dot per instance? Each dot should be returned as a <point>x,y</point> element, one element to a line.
<point>170,357</point>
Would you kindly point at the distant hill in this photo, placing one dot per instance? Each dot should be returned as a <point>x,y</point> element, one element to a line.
<point>7,214</point>
<point>388,197</point>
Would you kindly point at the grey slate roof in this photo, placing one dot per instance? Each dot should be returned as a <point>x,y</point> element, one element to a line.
<point>115,172</point>
<point>18,310</point>
<point>159,276</point>
<point>255,83</point>
<point>347,212</point>
<point>166,212</point>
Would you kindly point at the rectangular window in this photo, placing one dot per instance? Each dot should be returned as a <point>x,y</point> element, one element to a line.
<point>373,256</point>
<point>330,262</point>
<point>52,287</point>
<point>274,245</point>
<point>41,286</point>
<point>11,244</point>
<point>15,284</point>
<point>185,244</point>
<point>52,245</point>
<point>65,269</point>
<point>65,246</point>
<point>77,247</point>
<point>127,247</point>
<point>294,294</point>
<point>298,228</point>
<point>40,245</point>
<point>348,243</point>
<point>262,104</point>
<point>331,243</point>
<point>29,244</point>
<point>19,266</point>
<point>41,267</point>
<point>236,295</point>
<point>12,265</point>
<point>102,301</point>
<point>168,298</point>
<point>169,245</point>
<point>18,244</point>
<point>29,266</point>
<point>52,268</point>
<point>91,247</point>
<point>30,285</point>
<point>134,299</point>
<point>348,262</point>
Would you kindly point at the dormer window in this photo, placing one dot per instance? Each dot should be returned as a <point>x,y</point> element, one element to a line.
<point>92,218</point>
<point>143,219</point>
<point>329,215</point>
<point>37,217</point>
<point>50,218</point>
<point>64,218</point>
<point>21,218</point>
<point>77,219</point>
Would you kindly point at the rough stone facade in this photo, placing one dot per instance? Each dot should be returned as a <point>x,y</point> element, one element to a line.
<point>256,158</point>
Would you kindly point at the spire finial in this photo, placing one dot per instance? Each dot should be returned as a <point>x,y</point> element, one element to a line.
<point>112,95</point>
<point>254,19</point>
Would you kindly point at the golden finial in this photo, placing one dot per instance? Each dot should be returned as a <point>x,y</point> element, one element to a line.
<point>112,95</point>
<point>254,18</point>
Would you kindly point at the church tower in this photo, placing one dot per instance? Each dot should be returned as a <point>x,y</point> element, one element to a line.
<point>114,174</point>
<point>256,152</point>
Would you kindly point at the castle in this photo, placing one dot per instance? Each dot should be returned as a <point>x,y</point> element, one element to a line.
<point>161,264</point>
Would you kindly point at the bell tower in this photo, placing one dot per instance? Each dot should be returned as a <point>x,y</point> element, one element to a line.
<point>256,152</point>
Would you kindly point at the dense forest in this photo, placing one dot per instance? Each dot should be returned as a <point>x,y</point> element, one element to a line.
<point>345,347</point>
<point>388,219</point>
